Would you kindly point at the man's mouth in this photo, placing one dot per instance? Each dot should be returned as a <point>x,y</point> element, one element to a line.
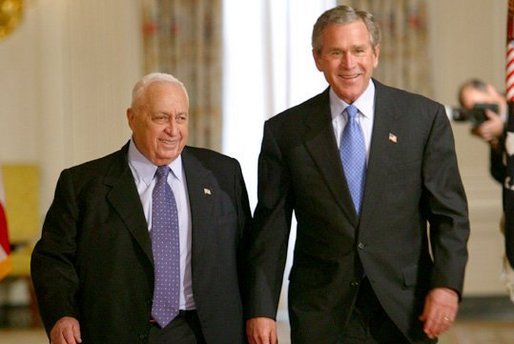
<point>349,77</point>
<point>168,142</point>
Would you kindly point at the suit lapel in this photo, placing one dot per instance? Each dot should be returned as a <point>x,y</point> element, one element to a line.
<point>125,200</point>
<point>202,189</point>
<point>321,144</point>
<point>384,124</point>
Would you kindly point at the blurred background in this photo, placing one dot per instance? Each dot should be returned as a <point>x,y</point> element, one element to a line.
<point>67,69</point>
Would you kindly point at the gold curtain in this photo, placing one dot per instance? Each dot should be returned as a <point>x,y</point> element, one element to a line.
<point>404,53</point>
<point>183,38</point>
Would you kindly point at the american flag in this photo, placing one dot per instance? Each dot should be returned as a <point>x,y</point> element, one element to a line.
<point>509,79</point>
<point>5,259</point>
<point>508,190</point>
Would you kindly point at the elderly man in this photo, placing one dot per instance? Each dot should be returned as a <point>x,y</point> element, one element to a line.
<point>142,245</point>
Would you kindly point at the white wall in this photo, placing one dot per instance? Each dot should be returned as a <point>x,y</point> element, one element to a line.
<point>67,73</point>
<point>469,40</point>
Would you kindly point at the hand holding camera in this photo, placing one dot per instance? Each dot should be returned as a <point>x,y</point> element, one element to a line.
<point>491,127</point>
<point>484,118</point>
<point>477,115</point>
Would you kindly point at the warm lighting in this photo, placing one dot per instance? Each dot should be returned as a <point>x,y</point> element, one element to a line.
<point>11,12</point>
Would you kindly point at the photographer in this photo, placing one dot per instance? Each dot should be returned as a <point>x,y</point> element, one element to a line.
<point>479,98</point>
<point>475,97</point>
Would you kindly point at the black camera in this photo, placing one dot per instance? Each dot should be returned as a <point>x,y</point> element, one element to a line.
<point>476,115</point>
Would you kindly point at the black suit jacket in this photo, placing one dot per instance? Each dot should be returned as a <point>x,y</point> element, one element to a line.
<point>94,259</point>
<point>497,166</point>
<point>412,178</point>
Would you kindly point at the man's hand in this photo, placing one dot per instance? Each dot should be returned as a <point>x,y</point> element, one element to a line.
<point>66,331</point>
<point>441,305</point>
<point>261,330</point>
<point>491,129</point>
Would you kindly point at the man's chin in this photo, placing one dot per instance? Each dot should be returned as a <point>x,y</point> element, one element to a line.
<point>348,96</point>
<point>169,155</point>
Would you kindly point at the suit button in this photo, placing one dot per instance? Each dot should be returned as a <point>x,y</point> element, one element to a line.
<point>354,284</point>
<point>361,245</point>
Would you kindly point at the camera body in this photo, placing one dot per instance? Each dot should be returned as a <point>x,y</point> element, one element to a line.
<point>475,115</point>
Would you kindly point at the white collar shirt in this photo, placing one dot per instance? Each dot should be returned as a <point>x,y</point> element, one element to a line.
<point>366,106</point>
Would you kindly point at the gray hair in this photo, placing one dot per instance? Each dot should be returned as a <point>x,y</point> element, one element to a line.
<point>140,87</point>
<point>345,15</point>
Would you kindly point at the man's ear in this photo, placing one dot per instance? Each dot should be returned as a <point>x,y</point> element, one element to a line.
<point>130,117</point>
<point>491,90</point>
<point>317,57</point>
<point>376,51</point>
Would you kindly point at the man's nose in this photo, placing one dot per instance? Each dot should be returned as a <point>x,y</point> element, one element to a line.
<point>172,127</point>
<point>347,60</point>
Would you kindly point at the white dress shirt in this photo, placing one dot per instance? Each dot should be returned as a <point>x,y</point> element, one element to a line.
<point>366,106</point>
<point>144,171</point>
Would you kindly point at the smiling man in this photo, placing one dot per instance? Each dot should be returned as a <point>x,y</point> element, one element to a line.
<point>143,245</point>
<point>371,174</point>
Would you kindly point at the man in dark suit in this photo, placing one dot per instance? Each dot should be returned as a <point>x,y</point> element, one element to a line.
<point>384,263</point>
<point>93,268</point>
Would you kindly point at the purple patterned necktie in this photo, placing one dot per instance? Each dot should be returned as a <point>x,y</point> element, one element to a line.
<point>166,250</point>
<point>353,156</point>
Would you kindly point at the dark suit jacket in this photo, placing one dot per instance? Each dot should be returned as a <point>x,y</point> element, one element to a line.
<point>497,166</point>
<point>94,259</point>
<point>412,178</point>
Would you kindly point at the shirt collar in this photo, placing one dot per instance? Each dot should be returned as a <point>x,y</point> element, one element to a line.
<point>365,103</point>
<point>145,169</point>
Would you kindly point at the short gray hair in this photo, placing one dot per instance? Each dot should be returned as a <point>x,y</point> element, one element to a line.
<point>140,87</point>
<point>345,15</point>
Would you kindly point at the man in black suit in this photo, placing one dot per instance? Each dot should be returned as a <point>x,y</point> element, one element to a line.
<point>384,264</point>
<point>93,268</point>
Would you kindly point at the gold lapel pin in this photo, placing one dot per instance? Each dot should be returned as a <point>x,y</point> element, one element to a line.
<point>393,138</point>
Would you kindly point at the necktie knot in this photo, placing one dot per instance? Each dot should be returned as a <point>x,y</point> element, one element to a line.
<point>352,111</point>
<point>162,172</point>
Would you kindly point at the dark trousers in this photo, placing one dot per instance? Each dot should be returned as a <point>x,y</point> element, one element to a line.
<point>369,323</point>
<point>184,329</point>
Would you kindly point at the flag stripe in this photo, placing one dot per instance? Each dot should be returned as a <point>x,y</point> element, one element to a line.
<point>4,238</point>
<point>508,190</point>
<point>5,247</point>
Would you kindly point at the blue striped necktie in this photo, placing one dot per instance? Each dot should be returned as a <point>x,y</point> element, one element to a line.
<point>166,250</point>
<point>353,156</point>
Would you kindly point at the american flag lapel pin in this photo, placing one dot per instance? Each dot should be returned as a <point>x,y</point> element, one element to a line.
<point>393,138</point>
<point>206,191</point>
